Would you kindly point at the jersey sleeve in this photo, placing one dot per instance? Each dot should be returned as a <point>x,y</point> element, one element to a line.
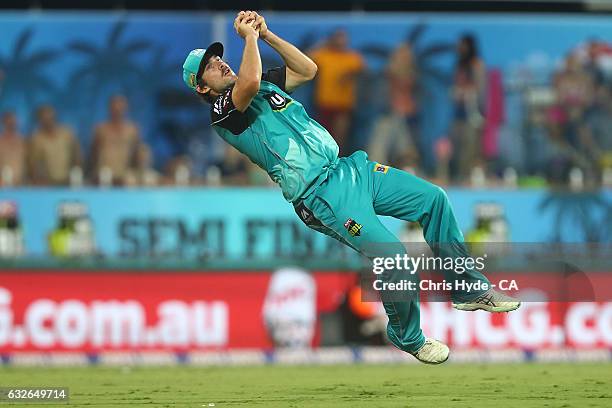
<point>277,76</point>
<point>223,113</point>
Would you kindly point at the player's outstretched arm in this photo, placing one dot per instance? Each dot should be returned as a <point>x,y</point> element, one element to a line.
<point>249,75</point>
<point>300,68</point>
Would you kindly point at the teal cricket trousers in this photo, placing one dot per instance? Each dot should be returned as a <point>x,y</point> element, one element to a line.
<point>345,206</point>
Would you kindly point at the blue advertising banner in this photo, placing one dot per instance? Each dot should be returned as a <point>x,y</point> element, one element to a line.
<point>255,223</point>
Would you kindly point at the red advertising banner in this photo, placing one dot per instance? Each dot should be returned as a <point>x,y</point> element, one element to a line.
<point>125,311</point>
<point>189,311</point>
<point>535,325</point>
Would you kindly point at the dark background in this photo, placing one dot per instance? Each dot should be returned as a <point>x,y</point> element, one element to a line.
<point>335,5</point>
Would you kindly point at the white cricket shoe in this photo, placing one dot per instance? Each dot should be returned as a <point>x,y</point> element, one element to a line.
<point>432,352</point>
<point>491,301</point>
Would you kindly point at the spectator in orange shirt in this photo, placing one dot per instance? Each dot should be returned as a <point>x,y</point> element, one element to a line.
<point>12,152</point>
<point>53,150</point>
<point>115,144</point>
<point>335,93</point>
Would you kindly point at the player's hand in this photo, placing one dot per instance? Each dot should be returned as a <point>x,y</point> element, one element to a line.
<point>247,16</point>
<point>261,26</point>
<point>244,24</point>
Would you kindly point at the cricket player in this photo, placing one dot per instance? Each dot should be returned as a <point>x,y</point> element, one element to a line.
<point>341,197</point>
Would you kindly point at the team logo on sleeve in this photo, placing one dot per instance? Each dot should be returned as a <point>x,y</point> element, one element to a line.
<point>380,168</point>
<point>277,101</point>
<point>353,227</point>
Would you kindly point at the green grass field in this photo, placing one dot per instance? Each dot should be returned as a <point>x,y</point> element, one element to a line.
<point>453,385</point>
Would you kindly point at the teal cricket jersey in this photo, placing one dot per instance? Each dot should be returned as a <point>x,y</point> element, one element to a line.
<point>276,133</point>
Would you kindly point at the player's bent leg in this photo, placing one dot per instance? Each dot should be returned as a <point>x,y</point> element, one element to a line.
<point>402,195</point>
<point>362,230</point>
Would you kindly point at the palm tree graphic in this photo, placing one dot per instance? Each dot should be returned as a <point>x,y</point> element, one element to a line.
<point>22,75</point>
<point>109,68</point>
<point>110,64</point>
<point>423,55</point>
<point>163,72</point>
<point>579,210</point>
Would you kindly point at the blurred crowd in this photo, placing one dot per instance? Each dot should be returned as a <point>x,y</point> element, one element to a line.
<point>566,137</point>
<point>567,130</point>
<point>52,154</point>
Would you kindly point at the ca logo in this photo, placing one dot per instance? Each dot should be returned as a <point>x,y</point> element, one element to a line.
<point>277,101</point>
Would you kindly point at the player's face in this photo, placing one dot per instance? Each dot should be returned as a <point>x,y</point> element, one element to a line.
<point>217,75</point>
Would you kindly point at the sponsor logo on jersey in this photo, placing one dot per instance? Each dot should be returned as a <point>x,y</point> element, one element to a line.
<point>277,101</point>
<point>353,227</point>
<point>380,168</point>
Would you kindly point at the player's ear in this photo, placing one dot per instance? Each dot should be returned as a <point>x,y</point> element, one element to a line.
<point>204,89</point>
